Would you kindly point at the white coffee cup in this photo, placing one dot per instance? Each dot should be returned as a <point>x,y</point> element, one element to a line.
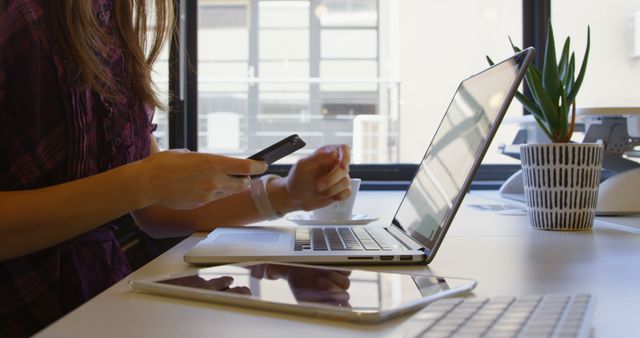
<point>339,210</point>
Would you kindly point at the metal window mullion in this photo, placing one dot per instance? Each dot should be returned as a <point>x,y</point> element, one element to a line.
<point>535,14</point>
<point>378,70</point>
<point>191,74</point>
<point>176,119</point>
<point>314,59</point>
<point>253,93</point>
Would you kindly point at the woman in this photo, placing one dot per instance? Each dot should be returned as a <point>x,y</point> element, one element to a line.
<point>77,154</point>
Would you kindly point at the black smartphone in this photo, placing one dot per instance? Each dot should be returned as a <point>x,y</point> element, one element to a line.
<point>279,149</point>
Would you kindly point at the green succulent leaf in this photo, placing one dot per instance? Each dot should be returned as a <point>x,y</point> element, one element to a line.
<point>568,81</point>
<point>554,88</point>
<point>528,104</point>
<point>529,77</point>
<point>578,82</point>
<point>515,48</point>
<point>543,126</point>
<point>550,79</point>
<point>533,76</point>
<point>564,114</point>
<point>548,109</point>
<point>535,71</point>
<point>563,65</point>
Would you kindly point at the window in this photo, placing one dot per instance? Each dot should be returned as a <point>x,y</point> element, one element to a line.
<point>375,74</point>
<point>273,67</point>
<point>160,77</point>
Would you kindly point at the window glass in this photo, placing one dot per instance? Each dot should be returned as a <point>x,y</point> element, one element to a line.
<point>284,44</point>
<point>375,74</point>
<point>365,70</point>
<point>347,13</point>
<point>284,14</point>
<point>223,61</point>
<point>349,43</point>
<point>223,44</point>
<point>215,15</point>
<point>160,78</point>
<point>286,67</point>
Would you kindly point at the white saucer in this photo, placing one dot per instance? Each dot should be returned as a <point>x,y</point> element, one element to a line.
<point>305,219</point>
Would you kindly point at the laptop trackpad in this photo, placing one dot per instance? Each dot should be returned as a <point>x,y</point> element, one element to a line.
<point>238,241</point>
<point>253,239</point>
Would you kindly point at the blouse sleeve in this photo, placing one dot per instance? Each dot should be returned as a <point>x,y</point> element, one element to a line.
<point>18,21</point>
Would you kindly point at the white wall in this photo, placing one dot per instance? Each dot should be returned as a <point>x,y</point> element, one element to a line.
<point>441,42</point>
<point>612,78</point>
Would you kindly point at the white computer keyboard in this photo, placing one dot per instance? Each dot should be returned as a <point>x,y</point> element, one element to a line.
<point>553,315</point>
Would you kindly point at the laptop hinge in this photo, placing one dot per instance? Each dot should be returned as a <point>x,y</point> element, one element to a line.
<point>405,239</point>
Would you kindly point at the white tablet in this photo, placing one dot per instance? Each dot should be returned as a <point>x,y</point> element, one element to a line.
<point>337,293</point>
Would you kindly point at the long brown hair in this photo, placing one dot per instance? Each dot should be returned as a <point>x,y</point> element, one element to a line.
<point>82,42</point>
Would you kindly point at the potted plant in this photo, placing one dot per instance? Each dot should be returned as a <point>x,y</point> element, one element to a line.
<point>561,179</point>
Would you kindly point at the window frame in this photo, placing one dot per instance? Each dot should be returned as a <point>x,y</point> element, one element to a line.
<point>183,93</point>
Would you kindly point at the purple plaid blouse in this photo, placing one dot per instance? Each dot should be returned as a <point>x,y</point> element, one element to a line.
<point>53,132</point>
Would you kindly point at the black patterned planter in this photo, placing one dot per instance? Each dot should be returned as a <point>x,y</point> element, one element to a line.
<point>561,184</point>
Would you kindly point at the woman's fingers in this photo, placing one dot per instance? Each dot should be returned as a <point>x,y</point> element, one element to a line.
<point>181,179</point>
<point>220,283</point>
<point>243,290</point>
<point>344,156</point>
<point>343,195</point>
<point>339,157</point>
<point>237,166</point>
<point>344,184</point>
<point>314,181</point>
<point>231,184</point>
<point>332,177</point>
<point>230,175</point>
<point>332,283</point>
<point>340,279</point>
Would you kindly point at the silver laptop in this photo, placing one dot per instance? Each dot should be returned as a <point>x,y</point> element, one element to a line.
<point>427,209</point>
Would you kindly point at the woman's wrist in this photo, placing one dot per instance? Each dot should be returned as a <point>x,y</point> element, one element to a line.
<point>137,180</point>
<point>280,197</point>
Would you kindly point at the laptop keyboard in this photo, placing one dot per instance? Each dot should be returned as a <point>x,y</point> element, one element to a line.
<point>339,239</point>
<point>554,315</point>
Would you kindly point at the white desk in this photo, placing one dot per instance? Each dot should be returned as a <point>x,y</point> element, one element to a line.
<point>501,252</point>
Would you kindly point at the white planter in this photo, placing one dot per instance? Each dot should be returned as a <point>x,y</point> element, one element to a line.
<point>561,184</point>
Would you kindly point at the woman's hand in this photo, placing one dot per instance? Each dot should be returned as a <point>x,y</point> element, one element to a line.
<point>180,179</point>
<point>215,284</point>
<point>318,180</point>
<point>309,284</point>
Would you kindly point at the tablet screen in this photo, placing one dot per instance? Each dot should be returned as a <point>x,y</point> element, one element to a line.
<point>355,290</point>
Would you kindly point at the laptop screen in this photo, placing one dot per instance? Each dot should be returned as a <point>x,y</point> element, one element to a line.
<point>456,150</point>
